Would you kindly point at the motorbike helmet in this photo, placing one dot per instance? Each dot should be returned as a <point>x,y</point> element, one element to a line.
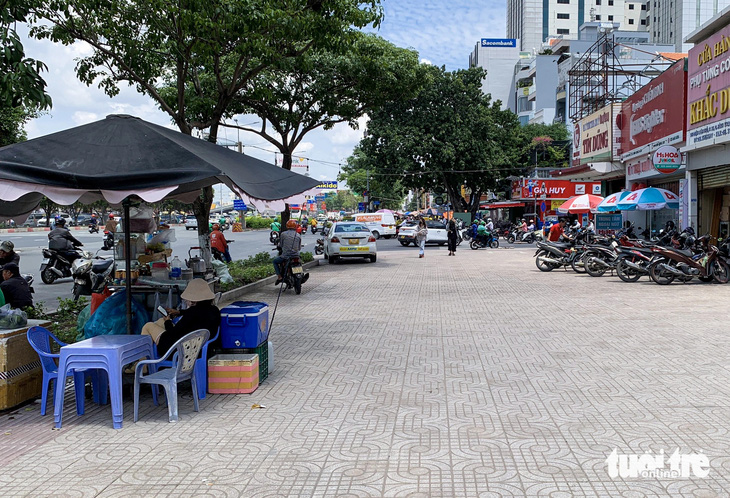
<point>93,216</point>
<point>61,222</point>
<point>111,216</point>
<point>689,230</point>
<point>291,224</point>
<point>489,219</point>
<point>216,226</point>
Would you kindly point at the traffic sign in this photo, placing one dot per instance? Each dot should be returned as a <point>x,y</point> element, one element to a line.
<point>239,205</point>
<point>543,206</point>
<point>439,200</point>
<point>361,206</point>
<point>376,203</point>
<point>319,198</point>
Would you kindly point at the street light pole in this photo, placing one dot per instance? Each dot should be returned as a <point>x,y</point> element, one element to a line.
<point>367,190</point>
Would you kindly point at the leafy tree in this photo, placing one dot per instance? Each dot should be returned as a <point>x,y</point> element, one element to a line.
<point>48,207</point>
<point>343,200</point>
<point>545,145</point>
<point>322,88</point>
<point>389,190</point>
<point>194,57</point>
<point>450,135</point>
<point>12,120</point>
<point>21,85</point>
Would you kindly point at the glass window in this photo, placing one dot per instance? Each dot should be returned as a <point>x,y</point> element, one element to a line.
<point>563,16</point>
<point>610,2</point>
<point>563,1</point>
<point>598,2</point>
<point>610,18</point>
<point>631,21</point>
<point>563,31</point>
<point>598,18</point>
<point>631,6</point>
<point>349,228</point>
<point>643,7</point>
<point>643,22</point>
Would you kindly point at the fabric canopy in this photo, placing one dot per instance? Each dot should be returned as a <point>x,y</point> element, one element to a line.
<point>123,155</point>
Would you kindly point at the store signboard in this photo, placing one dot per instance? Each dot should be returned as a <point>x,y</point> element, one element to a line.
<point>708,91</point>
<point>536,188</point>
<point>667,159</point>
<point>607,224</point>
<point>592,137</point>
<point>652,117</point>
<point>329,185</point>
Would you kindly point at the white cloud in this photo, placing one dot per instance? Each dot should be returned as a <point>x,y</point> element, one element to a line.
<point>426,61</point>
<point>343,134</point>
<point>81,117</point>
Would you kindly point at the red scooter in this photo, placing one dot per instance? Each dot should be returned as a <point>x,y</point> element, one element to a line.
<point>684,264</point>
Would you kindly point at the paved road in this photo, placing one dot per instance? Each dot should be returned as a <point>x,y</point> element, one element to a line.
<point>30,244</point>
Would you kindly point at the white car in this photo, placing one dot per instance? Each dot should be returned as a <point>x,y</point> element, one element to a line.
<point>437,233</point>
<point>191,222</point>
<point>349,240</point>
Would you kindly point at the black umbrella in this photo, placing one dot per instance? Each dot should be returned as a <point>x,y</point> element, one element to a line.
<point>123,156</point>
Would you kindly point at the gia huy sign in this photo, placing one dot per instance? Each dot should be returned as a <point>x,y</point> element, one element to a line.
<point>708,91</point>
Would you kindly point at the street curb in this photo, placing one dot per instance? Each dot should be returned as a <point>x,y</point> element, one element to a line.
<point>47,229</point>
<point>232,295</point>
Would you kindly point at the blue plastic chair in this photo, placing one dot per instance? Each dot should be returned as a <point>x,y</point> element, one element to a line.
<point>201,366</point>
<point>184,354</point>
<point>40,340</point>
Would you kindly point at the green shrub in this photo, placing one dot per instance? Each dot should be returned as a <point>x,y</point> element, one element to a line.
<point>64,319</point>
<point>307,257</point>
<point>258,222</point>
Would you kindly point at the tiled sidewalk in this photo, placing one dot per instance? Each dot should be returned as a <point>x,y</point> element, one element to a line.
<point>475,375</point>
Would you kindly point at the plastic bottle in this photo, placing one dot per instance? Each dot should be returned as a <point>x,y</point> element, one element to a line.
<point>175,269</point>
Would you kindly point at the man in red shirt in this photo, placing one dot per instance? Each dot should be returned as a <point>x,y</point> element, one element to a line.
<point>556,231</point>
<point>219,242</point>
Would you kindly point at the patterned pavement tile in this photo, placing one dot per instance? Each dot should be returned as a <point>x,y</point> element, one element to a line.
<point>469,376</point>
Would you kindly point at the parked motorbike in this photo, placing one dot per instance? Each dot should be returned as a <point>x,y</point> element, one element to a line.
<point>551,255</point>
<point>319,246</point>
<point>55,265</point>
<point>684,264</point>
<point>29,278</point>
<point>219,255</point>
<point>91,274</point>
<point>466,234</point>
<point>634,263</point>
<point>489,240</point>
<point>93,228</point>
<point>108,242</point>
<point>598,258</point>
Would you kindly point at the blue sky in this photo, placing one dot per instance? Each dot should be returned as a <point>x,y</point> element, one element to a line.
<point>443,32</point>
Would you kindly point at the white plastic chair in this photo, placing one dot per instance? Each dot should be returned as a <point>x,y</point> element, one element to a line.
<point>184,354</point>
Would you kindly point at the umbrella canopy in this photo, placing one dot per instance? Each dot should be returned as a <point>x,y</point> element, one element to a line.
<point>384,211</point>
<point>610,202</point>
<point>123,155</point>
<point>581,204</point>
<point>649,199</point>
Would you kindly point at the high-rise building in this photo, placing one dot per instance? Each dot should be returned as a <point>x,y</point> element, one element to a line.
<point>670,21</point>
<point>498,56</point>
<point>533,21</point>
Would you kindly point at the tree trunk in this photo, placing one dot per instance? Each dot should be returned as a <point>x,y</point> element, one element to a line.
<point>476,195</point>
<point>201,209</point>
<point>286,164</point>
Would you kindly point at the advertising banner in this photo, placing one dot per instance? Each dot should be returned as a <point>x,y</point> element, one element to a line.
<point>532,188</point>
<point>708,91</point>
<point>329,185</point>
<point>607,224</point>
<point>652,117</point>
<point>593,137</point>
<point>296,162</point>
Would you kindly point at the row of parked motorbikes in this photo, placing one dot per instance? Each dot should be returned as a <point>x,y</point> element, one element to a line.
<point>673,255</point>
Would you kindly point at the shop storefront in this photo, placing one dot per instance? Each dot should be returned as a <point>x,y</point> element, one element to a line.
<point>708,127</point>
<point>652,124</point>
<point>542,197</point>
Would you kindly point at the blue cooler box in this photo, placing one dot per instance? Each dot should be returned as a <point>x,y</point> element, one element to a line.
<point>244,324</point>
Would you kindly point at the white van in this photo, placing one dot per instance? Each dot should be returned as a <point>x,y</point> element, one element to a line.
<point>380,224</point>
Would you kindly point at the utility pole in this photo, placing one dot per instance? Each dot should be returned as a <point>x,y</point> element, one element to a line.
<point>367,191</point>
<point>239,145</point>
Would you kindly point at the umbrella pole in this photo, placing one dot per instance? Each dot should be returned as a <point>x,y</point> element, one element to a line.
<point>128,264</point>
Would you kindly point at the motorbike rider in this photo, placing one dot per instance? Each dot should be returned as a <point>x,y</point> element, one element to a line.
<point>490,225</point>
<point>111,225</point>
<point>61,240</point>
<point>474,229</point>
<point>14,287</point>
<point>275,226</point>
<point>93,222</point>
<point>8,254</point>
<point>290,243</point>
<point>482,232</point>
<point>523,225</point>
<point>218,241</point>
<point>590,227</point>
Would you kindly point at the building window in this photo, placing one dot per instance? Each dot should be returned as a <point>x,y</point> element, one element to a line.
<point>610,2</point>
<point>643,22</point>
<point>610,18</point>
<point>631,6</point>
<point>643,7</point>
<point>563,16</point>
<point>598,2</point>
<point>563,31</point>
<point>598,18</point>
<point>631,21</point>
<point>563,1</point>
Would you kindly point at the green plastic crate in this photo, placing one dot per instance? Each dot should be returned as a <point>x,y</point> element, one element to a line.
<point>262,351</point>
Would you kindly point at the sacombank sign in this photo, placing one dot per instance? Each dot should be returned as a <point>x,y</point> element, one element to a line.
<point>499,42</point>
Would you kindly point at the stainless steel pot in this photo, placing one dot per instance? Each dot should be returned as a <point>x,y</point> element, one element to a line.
<point>195,263</point>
